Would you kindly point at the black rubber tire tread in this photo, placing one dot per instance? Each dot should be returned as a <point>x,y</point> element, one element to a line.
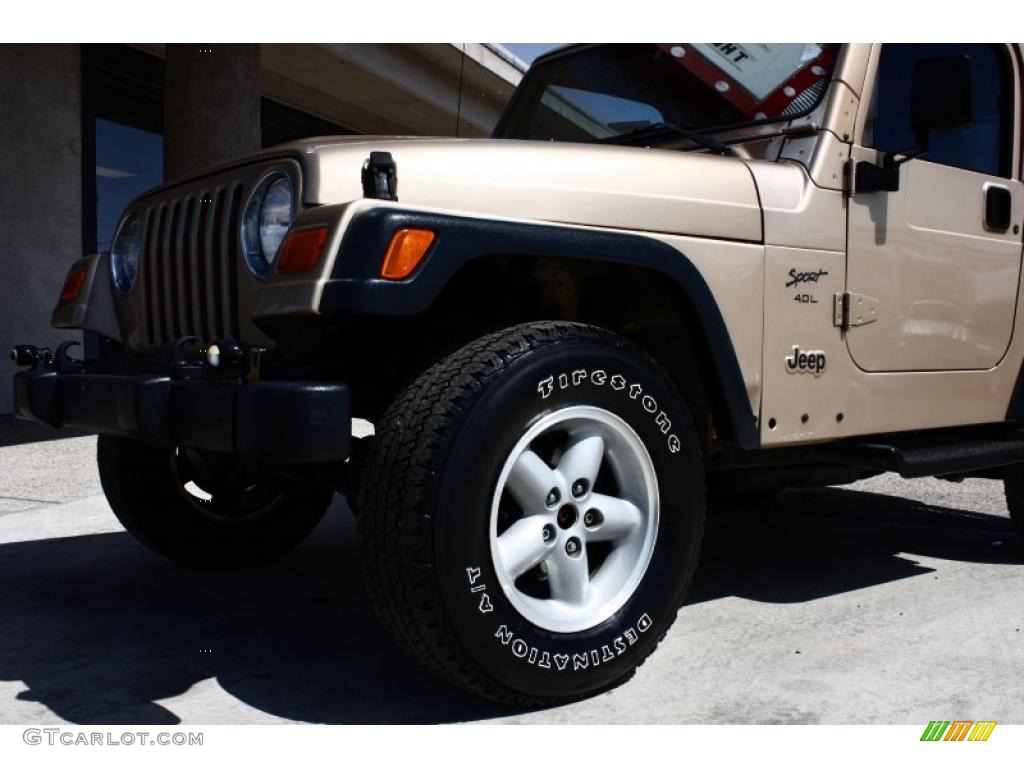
<point>1013,486</point>
<point>394,502</point>
<point>138,484</point>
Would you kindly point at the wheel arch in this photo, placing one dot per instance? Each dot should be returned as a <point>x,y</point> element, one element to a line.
<point>565,273</point>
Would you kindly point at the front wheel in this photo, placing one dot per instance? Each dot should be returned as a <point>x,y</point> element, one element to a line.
<point>531,513</point>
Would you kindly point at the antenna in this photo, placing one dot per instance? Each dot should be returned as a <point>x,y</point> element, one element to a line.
<point>458,105</point>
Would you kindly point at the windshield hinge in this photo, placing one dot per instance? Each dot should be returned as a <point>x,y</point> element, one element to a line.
<point>849,177</point>
<point>850,310</point>
<point>800,130</point>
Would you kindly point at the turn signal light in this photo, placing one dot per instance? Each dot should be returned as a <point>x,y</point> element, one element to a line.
<point>73,283</point>
<point>302,250</point>
<point>406,251</point>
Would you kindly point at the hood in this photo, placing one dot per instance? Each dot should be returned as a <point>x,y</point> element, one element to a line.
<point>629,188</point>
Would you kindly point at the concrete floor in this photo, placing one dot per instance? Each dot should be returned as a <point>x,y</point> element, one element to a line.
<point>888,602</point>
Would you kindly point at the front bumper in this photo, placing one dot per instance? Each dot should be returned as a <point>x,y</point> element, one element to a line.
<point>280,421</point>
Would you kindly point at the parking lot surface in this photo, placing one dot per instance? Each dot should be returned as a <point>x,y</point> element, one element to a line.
<point>889,601</point>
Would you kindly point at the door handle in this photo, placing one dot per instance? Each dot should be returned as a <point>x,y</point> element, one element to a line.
<point>997,208</point>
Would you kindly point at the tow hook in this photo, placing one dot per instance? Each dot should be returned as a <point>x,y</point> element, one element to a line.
<point>63,361</point>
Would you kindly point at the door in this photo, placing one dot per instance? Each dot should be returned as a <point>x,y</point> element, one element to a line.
<point>937,263</point>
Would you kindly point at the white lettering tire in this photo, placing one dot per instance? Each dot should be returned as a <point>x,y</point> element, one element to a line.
<point>531,513</point>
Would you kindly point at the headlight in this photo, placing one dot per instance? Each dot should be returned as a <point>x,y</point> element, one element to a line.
<point>124,253</point>
<point>266,220</point>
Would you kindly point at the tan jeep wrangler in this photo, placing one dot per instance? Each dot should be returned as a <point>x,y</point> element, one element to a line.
<point>674,267</point>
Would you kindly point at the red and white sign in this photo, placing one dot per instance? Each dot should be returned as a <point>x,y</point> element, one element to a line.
<point>759,79</point>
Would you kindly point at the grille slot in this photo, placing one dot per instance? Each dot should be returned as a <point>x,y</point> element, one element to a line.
<point>190,247</point>
<point>149,309</point>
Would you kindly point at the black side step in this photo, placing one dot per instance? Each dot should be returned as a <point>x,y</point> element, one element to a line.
<point>921,459</point>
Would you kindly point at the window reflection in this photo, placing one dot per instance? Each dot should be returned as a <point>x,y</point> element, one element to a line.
<point>128,162</point>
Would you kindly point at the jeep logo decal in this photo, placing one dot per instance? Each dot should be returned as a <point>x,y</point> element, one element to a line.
<point>812,361</point>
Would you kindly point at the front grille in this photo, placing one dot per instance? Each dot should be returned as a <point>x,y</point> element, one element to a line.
<point>189,265</point>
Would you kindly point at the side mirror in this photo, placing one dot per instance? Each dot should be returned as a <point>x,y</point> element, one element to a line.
<point>940,95</point>
<point>940,100</point>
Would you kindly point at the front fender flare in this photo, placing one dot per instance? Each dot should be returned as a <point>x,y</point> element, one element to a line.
<point>355,285</point>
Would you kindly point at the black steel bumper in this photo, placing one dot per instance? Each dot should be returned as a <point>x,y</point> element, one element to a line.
<point>288,422</point>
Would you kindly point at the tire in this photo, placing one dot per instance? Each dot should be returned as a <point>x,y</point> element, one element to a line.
<point>241,518</point>
<point>444,483</point>
<point>1013,485</point>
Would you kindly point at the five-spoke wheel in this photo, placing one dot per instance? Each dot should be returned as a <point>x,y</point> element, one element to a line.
<point>574,518</point>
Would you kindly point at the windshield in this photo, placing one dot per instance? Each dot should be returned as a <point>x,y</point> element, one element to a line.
<point>607,91</point>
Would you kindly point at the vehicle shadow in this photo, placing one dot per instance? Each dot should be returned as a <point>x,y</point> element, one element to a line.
<point>826,541</point>
<point>100,631</point>
<point>17,432</point>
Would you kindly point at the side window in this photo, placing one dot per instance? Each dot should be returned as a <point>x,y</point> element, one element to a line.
<point>986,146</point>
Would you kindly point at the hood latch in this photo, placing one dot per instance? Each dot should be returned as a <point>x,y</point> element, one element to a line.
<point>380,177</point>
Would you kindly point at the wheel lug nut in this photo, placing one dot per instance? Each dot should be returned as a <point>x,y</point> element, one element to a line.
<point>553,497</point>
<point>579,488</point>
<point>592,518</point>
<point>572,546</point>
<point>548,532</point>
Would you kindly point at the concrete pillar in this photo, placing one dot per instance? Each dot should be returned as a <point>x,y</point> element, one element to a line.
<point>212,105</point>
<point>40,192</point>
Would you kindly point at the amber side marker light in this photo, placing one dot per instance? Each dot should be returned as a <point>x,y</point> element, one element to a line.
<point>302,250</point>
<point>73,283</point>
<point>406,251</point>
